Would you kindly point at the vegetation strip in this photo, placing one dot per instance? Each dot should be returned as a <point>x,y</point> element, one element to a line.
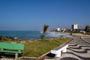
<point>40,47</point>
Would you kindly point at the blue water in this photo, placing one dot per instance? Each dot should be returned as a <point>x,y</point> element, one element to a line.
<point>22,34</point>
<point>30,34</point>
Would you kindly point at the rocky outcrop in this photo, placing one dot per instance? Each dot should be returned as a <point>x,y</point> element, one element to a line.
<point>6,38</point>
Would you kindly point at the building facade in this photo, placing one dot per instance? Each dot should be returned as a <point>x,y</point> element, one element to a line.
<point>74,26</point>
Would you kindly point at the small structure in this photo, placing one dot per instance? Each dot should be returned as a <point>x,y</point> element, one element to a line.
<point>58,29</point>
<point>11,48</point>
<point>64,29</point>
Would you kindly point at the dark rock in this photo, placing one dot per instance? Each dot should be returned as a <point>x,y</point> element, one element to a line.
<point>6,38</point>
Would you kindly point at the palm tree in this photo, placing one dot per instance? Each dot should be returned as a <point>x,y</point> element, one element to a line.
<point>87,28</point>
<point>45,28</point>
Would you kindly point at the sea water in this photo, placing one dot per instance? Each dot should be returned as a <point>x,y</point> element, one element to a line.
<point>22,34</point>
<point>30,34</point>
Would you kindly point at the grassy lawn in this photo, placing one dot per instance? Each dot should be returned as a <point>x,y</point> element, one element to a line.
<point>38,48</point>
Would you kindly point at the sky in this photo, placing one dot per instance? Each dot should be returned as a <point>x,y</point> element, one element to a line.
<point>32,14</point>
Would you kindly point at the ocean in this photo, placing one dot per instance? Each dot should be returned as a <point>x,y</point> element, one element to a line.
<point>26,35</point>
<point>22,34</point>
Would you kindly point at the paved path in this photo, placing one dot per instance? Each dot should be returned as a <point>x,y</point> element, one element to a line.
<point>7,59</point>
<point>78,50</point>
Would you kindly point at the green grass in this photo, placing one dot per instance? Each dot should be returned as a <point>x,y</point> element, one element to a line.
<point>38,48</point>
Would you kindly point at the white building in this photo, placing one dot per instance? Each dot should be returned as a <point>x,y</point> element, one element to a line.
<point>63,29</point>
<point>58,29</point>
<point>75,26</point>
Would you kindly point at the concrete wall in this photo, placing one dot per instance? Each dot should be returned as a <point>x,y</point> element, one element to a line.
<point>59,51</point>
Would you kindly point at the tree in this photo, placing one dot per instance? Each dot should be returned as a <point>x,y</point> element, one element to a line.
<point>87,28</point>
<point>45,28</point>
